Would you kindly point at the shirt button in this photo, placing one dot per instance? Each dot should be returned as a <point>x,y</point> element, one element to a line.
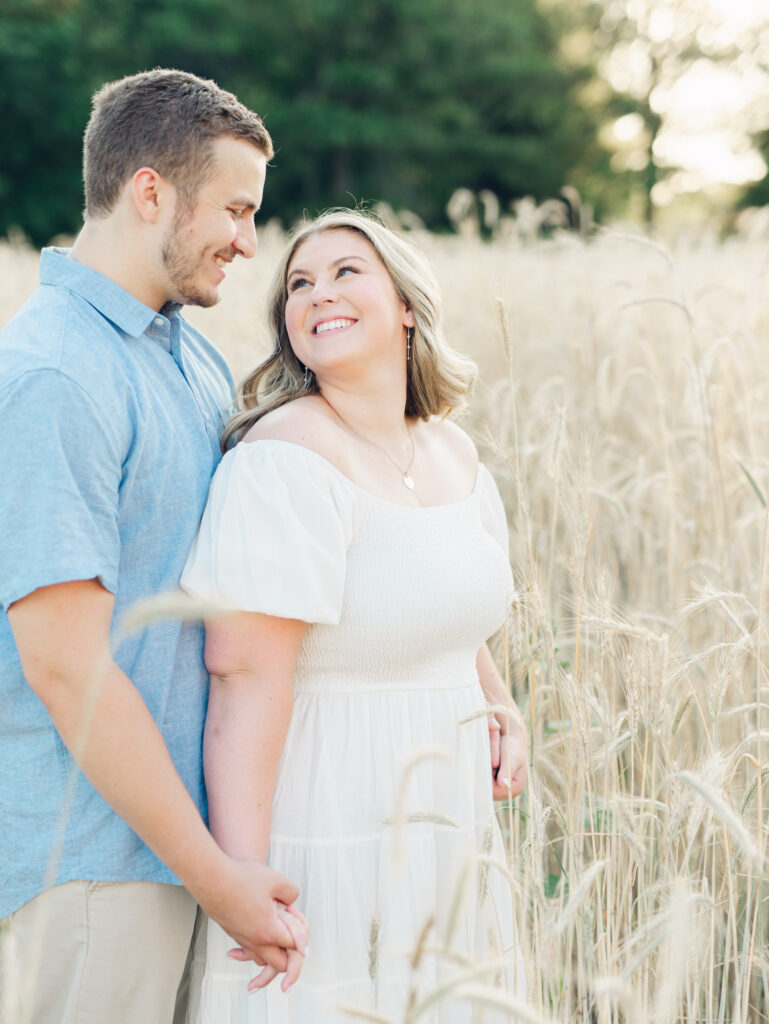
<point>158,321</point>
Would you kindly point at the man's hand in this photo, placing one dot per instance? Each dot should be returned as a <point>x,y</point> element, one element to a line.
<point>62,635</point>
<point>254,908</point>
<point>297,925</point>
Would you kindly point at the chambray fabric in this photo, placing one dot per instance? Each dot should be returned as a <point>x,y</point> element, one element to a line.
<point>110,415</point>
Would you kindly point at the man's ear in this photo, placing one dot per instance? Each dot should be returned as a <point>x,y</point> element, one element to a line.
<point>151,194</point>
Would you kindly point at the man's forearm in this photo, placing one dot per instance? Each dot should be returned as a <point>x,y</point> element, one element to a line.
<point>109,730</point>
<point>62,634</point>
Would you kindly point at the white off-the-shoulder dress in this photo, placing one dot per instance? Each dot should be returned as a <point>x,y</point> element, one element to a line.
<point>383,794</point>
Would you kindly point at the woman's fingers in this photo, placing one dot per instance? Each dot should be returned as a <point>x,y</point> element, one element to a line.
<point>239,954</point>
<point>513,766</point>
<point>295,961</point>
<point>274,956</point>
<point>494,734</point>
<point>263,978</point>
<point>297,925</point>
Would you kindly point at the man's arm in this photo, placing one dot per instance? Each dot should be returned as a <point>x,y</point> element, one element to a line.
<point>62,635</point>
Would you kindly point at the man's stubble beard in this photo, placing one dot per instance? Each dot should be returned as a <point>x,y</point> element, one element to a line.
<point>182,263</point>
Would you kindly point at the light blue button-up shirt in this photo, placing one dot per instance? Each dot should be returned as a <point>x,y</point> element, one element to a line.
<point>110,415</point>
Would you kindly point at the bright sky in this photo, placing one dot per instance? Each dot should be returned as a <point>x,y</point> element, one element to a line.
<point>710,110</point>
<point>740,14</point>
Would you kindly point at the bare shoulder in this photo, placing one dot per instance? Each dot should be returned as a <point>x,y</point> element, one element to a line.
<point>448,440</point>
<point>306,422</point>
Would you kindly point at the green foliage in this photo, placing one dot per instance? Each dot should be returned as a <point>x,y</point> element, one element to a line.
<point>757,194</point>
<point>396,101</point>
<point>44,102</point>
<point>552,886</point>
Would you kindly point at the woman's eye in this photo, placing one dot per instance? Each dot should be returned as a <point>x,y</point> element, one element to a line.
<point>297,282</point>
<point>342,270</point>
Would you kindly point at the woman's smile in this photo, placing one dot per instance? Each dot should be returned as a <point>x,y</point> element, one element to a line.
<point>336,282</point>
<point>333,324</point>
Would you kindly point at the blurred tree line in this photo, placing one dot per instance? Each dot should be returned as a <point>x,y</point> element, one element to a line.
<point>392,100</point>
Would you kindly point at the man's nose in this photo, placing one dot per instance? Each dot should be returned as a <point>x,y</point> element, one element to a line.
<point>245,239</point>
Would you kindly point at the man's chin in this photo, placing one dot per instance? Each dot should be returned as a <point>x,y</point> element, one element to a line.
<point>203,299</point>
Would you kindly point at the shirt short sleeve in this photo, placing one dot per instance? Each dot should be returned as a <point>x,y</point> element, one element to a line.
<point>493,513</point>
<point>60,472</point>
<point>274,535</point>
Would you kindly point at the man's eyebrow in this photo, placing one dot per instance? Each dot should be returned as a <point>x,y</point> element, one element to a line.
<point>334,263</point>
<point>246,202</point>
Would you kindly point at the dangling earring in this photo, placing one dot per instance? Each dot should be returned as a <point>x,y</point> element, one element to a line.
<point>306,378</point>
<point>409,334</point>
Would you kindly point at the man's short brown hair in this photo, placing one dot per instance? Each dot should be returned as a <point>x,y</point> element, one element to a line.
<point>167,120</point>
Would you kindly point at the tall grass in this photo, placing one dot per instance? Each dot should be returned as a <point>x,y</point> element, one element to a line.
<point>624,410</point>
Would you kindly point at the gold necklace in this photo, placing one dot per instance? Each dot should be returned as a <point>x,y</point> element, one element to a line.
<point>407,479</point>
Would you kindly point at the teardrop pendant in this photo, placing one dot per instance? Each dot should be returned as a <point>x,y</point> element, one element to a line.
<point>408,481</point>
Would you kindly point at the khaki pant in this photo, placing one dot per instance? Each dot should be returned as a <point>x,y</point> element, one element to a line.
<point>96,953</point>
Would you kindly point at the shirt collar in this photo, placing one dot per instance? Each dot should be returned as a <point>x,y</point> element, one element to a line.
<point>112,301</point>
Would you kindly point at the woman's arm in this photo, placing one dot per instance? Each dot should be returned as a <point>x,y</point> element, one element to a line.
<point>251,659</point>
<point>509,738</point>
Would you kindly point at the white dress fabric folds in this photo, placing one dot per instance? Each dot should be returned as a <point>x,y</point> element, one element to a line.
<point>383,796</point>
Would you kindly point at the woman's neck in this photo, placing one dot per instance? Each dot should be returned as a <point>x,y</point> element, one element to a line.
<point>378,415</point>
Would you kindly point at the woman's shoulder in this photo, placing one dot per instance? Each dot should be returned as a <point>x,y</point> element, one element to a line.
<point>450,440</point>
<point>305,423</point>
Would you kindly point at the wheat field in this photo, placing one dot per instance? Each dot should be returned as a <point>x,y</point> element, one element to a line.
<point>624,410</point>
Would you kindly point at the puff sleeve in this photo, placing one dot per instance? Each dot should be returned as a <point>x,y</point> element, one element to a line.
<point>274,534</point>
<point>493,513</point>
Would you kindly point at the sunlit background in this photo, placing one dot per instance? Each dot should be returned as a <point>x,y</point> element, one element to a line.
<point>700,66</point>
<point>593,180</point>
<point>654,111</point>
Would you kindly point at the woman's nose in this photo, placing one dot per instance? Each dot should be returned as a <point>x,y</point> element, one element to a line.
<point>323,291</point>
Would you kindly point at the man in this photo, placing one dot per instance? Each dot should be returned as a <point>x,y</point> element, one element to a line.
<point>110,411</point>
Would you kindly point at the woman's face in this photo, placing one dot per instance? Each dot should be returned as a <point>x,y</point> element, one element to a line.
<point>342,306</point>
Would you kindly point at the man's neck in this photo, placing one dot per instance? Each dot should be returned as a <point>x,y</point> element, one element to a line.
<point>114,249</point>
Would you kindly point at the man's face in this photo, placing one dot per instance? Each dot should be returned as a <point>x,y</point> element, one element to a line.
<point>217,226</point>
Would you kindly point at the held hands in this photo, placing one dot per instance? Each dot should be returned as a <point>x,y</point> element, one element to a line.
<point>256,911</point>
<point>509,743</point>
<point>296,923</point>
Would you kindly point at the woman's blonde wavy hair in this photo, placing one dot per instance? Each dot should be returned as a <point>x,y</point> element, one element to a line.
<point>439,379</point>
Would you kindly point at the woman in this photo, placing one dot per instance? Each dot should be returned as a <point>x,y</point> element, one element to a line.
<point>364,549</point>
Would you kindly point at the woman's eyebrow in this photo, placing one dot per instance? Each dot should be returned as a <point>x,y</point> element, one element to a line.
<point>334,263</point>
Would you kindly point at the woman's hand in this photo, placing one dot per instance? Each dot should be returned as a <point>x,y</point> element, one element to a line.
<point>509,754</point>
<point>296,923</point>
<point>508,738</point>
